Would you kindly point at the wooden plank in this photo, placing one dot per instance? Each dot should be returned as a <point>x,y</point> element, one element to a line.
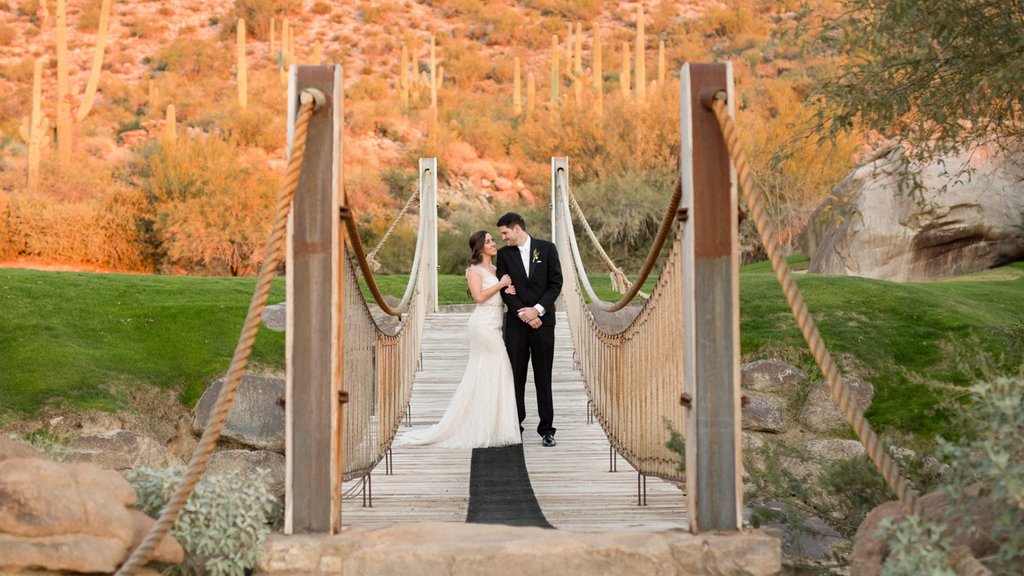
<point>571,480</point>
<point>313,287</point>
<point>711,297</point>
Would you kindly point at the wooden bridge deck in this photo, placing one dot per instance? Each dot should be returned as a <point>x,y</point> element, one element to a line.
<point>571,481</point>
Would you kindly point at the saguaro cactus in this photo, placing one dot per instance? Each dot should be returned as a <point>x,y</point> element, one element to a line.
<point>624,77</point>
<point>641,66</point>
<point>403,78</point>
<point>598,70</point>
<point>661,65</point>
<point>517,102</point>
<point>34,128</point>
<point>171,124</point>
<point>554,71</point>
<point>242,72</point>
<point>65,120</point>
<point>531,94</point>
<point>578,53</point>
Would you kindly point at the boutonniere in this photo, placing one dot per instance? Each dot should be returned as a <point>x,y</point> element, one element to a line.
<point>536,256</point>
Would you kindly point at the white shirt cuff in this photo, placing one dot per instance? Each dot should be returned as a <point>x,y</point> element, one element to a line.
<point>540,309</point>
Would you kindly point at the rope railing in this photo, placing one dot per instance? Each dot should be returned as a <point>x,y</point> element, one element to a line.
<point>619,280</point>
<point>717,101</point>
<point>632,377</point>
<point>372,256</point>
<point>310,100</point>
<point>652,255</point>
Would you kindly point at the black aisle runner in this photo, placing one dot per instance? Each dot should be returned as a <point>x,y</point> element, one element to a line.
<point>500,490</point>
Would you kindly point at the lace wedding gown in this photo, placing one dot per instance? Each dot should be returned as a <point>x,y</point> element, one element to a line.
<point>482,412</point>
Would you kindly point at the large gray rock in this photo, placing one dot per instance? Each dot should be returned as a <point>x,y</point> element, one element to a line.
<point>821,414</point>
<point>275,317</point>
<point>246,462</point>
<point>771,376</point>
<point>953,225</point>
<point>72,517</point>
<point>256,417</point>
<point>763,414</point>
<point>120,450</point>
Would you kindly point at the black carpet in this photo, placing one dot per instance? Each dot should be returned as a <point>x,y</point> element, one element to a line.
<point>500,490</point>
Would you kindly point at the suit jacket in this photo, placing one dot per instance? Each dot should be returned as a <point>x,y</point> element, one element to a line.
<point>543,285</point>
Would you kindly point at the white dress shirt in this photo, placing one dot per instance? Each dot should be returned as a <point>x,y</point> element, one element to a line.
<point>524,253</point>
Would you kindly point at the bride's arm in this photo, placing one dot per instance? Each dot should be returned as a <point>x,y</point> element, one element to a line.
<point>476,280</point>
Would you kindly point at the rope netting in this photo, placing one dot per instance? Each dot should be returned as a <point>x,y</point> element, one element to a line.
<point>631,377</point>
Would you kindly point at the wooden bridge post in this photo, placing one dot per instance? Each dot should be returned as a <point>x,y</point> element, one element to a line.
<point>428,209</point>
<point>711,302</point>
<point>315,332</point>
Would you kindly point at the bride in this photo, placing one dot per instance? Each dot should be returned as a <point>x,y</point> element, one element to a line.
<point>482,412</point>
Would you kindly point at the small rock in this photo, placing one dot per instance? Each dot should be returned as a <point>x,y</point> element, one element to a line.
<point>275,317</point>
<point>256,417</point>
<point>821,414</point>
<point>120,450</point>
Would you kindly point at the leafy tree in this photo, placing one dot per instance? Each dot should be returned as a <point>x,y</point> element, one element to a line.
<point>940,76</point>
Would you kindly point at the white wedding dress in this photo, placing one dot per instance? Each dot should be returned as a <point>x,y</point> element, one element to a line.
<point>482,412</point>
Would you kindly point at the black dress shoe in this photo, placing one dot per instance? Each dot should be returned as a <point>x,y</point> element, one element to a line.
<point>548,441</point>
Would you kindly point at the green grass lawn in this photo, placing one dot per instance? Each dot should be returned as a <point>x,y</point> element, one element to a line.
<point>79,338</point>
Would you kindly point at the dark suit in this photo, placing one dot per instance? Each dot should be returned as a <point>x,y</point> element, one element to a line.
<point>542,286</point>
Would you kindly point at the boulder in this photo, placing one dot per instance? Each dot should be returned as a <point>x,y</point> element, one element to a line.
<point>71,517</point>
<point>763,414</point>
<point>256,417</point>
<point>821,414</point>
<point>14,449</point>
<point>120,450</point>
<point>274,317</point>
<point>246,462</point>
<point>771,376</point>
<point>954,224</point>
<point>870,551</point>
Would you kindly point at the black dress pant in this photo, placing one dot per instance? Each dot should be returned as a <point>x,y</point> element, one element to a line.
<point>525,344</point>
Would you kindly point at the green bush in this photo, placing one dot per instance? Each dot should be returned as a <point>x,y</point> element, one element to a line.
<point>224,522</point>
<point>989,455</point>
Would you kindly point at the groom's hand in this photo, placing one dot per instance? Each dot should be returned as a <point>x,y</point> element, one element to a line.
<point>535,323</point>
<point>528,314</point>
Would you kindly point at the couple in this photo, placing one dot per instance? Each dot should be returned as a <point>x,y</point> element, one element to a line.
<point>525,274</point>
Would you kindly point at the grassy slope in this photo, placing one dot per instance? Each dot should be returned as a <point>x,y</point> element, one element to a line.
<point>76,337</point>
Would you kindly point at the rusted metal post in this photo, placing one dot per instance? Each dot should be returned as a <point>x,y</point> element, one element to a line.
<point>315,333</point>
<point>711,308</point>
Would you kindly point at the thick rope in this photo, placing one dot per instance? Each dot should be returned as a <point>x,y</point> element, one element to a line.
<point>620,283</point>
<point>206,444</point>
<point>840,391</point>
<point>645,272</point>
<point>365,267</point>
<point>963,560</point>
<point>372,256</point>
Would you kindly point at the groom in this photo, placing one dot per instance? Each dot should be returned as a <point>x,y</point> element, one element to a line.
<point>530,322</point>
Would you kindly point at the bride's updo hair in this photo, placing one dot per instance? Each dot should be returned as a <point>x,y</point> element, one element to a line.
<point>476,245</point>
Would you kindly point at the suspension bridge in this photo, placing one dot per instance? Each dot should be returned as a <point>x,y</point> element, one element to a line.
<point>353,382</point>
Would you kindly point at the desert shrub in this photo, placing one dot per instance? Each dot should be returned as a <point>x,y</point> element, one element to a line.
<point>571,9</point>
<point>211,205</point>
<point>733,19</point>
<point>251,127</point>
<point>89,18</point>
<point>464,63</point>
<point>145,28</point>
<point>7,34</point>
<point>257,15</point>
<point>193,58</point>
<point>321,8</point>
<point>223,524</point>
<point>989,456</point>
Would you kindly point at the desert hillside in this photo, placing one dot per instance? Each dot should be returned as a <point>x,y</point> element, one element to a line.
<point>183,54</point>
